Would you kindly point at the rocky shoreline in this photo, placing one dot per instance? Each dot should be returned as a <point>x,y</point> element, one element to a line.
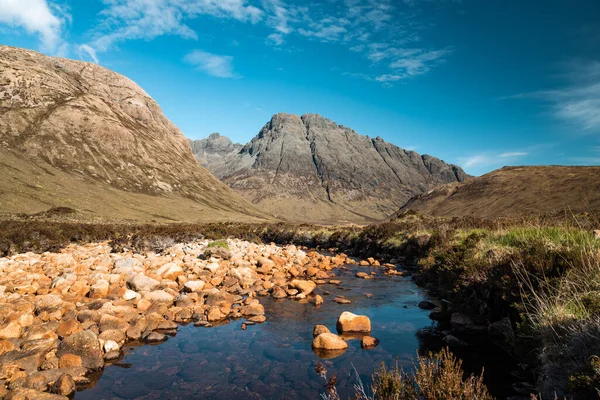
<point>64,315</point>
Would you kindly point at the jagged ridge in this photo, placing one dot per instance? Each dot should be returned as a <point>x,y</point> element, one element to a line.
<point>311,168</point>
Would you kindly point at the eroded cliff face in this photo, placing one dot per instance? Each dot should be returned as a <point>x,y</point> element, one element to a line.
<point>310,168</point>
<point>89,121</point>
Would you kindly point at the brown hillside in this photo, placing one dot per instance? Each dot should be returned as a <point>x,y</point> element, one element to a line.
<point>515,191</point>
<point>104,144</point>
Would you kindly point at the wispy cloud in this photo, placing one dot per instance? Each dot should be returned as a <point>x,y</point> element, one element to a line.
<point>147,19</point>
<point>212,64</point>
<point>39,17</point>
<point>86,51</point>
<point>490,159</point>
<point>513,154</point>
<point>578,100</point>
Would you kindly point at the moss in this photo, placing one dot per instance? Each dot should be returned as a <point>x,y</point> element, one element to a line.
<point>218,243</point>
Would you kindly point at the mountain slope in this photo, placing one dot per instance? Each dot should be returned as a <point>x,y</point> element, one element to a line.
<point>215,152</point>
<point>99,127</point>
<point>311,169</point>
<point>515,191</point>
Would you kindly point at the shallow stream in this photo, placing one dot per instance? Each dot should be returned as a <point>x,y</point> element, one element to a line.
<point>274,360</point>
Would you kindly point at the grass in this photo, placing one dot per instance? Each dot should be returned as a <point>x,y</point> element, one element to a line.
<point>436,376</point>
<point>218,243</point>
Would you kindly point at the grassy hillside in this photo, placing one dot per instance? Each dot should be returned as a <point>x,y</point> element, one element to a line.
<point>515,191</point>
<point>28,187</point>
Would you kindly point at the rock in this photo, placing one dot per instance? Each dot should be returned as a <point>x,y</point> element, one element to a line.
<point>68,327</point>
<point>142,283</point>
<point>170,271</point>
<point>257,319</point>
<point>317,300</point>
<point>154,337</point>
<point>363,275</point>
<point>99,290</point>
<point>349,322</point>
<point>426,305</point>
<point>246,276</point>
<point>109,322</point>
<point>364,263</point>
<point>84,344</point>
<point>453,341</point>
<point>368,342</point>
<point>47,303</point>
<point>218,252</point>
<point>6,346</point>
<point>194,286</point>
<point>28,361</point>
<point>111,345</point>
<point>129,295</point>
<point>341,300</point>
<point>69,360</point>
<point>278,293</point>
<point>253,309</point>
<point>30,394</point>
<point>501,333</point>
<point>463,323</point>
<point>160,297</point>
<point>64,386</point>
<point>36,382</point>
<point>10,330</point>
<point>305,287</point>
<point>329,341</point>
<point>215,314</point>
<point>318,329</point>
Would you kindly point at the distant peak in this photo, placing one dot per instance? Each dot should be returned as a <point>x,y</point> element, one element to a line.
<point>214,135</point>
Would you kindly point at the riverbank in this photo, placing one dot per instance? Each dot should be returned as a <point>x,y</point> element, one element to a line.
<point>531,284</point>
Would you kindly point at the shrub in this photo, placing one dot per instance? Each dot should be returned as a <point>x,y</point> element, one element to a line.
<point>438,376</point>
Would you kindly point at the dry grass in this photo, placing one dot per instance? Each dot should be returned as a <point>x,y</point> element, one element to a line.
<point>436,376</point>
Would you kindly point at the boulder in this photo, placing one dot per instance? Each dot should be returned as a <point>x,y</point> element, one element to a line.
<point>329,341</point>
<point>349,322</point>
<point>305,287</point>
<point>142,283</point>
<point>369,342</point>
<point>84,344</point>
<point>318,329</point>
<point>194,286</point>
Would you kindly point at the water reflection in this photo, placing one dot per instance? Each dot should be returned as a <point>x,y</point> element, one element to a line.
<point>275,359</point>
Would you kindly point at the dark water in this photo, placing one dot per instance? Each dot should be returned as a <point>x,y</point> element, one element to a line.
<point>274,360</point>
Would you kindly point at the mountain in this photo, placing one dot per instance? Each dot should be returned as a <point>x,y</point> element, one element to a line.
<point>515,191</point>
<point>79,135</point>
<point>215,152</point>
<point>309,168</point>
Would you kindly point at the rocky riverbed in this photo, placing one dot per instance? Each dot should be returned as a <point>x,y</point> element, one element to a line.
<point>65,314</point>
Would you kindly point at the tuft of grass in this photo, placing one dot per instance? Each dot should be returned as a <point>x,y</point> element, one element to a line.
<point>218,243</point>
<point>436,376</point>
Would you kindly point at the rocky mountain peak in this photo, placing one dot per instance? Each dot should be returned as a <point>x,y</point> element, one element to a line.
<point>309,167</point>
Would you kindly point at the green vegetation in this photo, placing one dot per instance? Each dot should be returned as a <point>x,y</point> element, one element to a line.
<point>218,243</point>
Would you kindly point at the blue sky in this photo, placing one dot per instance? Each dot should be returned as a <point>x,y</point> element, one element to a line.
<point>480,83</point>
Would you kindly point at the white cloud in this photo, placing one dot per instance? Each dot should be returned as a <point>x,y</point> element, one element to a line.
<point>148,19</point>
<point>85,50</point>
<point>513,154</point>
<point>37,17</point>
<point>488,159</point>
<point>275,39</point>
<point>578,101</point>
<point>473,161</point>
<point>212,64</point>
